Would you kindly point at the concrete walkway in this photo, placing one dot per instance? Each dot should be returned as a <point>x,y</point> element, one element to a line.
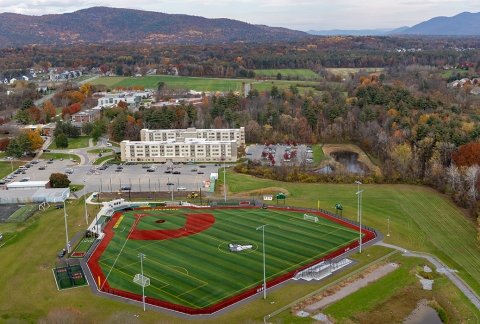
<point>441,268</point>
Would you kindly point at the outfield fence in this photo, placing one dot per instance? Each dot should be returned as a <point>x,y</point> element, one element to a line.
<point>103,285</point>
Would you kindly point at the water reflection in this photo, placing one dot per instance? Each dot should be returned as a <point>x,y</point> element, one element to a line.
<point>350,161</point>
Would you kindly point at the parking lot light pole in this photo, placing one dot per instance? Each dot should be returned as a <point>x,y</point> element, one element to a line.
<point>358,183</point>
<point>264,270</point>
<point>66,226</point>
<point>85,200</point>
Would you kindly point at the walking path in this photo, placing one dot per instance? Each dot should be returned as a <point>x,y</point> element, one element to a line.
<point>441,268</point>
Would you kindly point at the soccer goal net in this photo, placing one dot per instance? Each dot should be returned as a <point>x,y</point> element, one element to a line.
<point>310,218</point>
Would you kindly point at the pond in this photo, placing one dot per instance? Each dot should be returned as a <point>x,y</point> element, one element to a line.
<point>350,161</point>
<point>423,314</point>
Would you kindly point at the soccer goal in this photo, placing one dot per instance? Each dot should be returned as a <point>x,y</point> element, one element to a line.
<point>310,218</point>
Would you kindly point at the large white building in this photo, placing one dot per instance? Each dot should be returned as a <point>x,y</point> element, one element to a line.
<point>234,134</point>
<point>185,150</point>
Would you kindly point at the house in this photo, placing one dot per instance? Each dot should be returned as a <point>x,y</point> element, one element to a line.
<point>86,116</point>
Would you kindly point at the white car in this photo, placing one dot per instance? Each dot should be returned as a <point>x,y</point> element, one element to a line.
<point>181,188</point>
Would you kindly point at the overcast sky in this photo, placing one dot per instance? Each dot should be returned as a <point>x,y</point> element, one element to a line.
<point>295,14</point>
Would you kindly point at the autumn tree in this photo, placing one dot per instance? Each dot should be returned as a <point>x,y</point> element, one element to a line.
<point>467,155</point>
<point>49,110</point>
<point>61,140</point>
<point>35,140</point>
<point>59,180</point>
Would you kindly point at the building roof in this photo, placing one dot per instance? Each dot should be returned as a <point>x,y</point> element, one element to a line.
<point>192,129</point>
<point>27,184</point>
<point>187,141</point>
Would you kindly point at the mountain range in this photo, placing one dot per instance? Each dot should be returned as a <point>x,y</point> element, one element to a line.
<point>463,24</point>
<point>102,24</point>
<point>115,25</point>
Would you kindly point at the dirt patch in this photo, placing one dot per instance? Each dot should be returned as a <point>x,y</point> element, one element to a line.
<point>194,224</point>
<point>160,221</point>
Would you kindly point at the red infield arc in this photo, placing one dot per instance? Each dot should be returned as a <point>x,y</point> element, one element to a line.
<point>104,286</point>
<point>194,224</point>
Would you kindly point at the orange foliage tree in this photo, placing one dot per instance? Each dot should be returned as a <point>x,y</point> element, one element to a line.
<point>467,155</point>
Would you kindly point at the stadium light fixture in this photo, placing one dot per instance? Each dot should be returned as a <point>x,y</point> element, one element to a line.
<point>224,180</point>
<point>358,183</point>
<point>264,272</point>
<point>359,196</point>
<point>142,257</point>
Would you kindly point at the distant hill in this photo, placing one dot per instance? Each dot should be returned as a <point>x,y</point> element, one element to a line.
<point>353,32</point>
<point>464,24</point>
<point>102,24</point>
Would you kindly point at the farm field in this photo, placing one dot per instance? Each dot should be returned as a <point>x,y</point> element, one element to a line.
<point>344,72</point>
<point>198,270</point>
<point>294,74</point>
<point>420,218</point>
<point>194,83</point>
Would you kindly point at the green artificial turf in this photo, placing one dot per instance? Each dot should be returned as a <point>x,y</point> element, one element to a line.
<point>199,270</point>
<point>421,219</point>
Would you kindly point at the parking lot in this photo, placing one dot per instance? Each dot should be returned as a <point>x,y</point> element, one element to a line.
<point>182,177</point>
<point>304,154</point>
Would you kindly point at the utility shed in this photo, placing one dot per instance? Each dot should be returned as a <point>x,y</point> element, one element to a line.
<point>28,185</point>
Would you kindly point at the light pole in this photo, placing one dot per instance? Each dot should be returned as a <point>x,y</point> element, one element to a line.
<point>388,226</point>
<point>66,226</point>
<point>358,183</point>
<point>264,270</point>
<point>85,200</point>
<point>142,257</point>
<point>359,200</point>
<point>170,186</point>
<point>224,180</point>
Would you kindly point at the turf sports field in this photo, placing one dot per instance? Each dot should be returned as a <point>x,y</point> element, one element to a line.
<point>187,256</point>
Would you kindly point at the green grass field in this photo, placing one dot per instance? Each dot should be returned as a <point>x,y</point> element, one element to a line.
<point>193,83</point>
<point>296,74</point>
<point>318,155</point>
<point>199,270</point>
<point>6,167</point>
<point>99,150</point>
<point>73,143</point>
<point>420,218</point>
<point>56,156</point>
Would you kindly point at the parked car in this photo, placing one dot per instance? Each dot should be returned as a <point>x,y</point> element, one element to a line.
<point>176,172</point>
<point>168,171</point>
<point>126,188</point>
<point>43,167</point>
<point>25,179</point>
<point>151,170</point>
<point>181,188</point>
<point>170,184</point>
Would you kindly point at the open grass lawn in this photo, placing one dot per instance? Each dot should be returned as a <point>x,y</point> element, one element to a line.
<point>193,83</point>
<point>199,270</point>
<point>420,218</point>
<point>318,155</point>
<point>104,158</point>
<point>297,74</point>
<point>73,143</point>
<point>99,150</point>
<point>6,167</point>
<point>56,156</point>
